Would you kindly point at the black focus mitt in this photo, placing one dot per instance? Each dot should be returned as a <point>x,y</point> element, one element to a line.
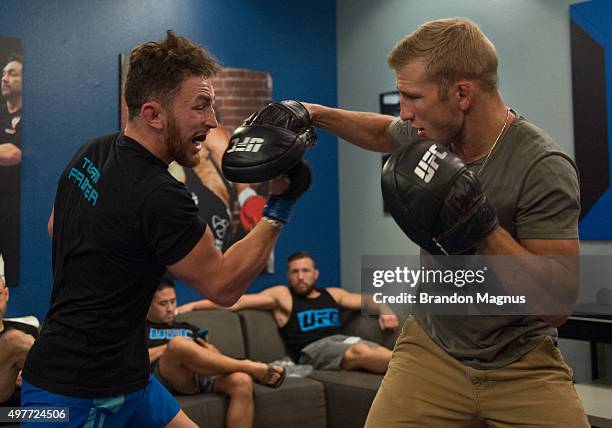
<point>269,143</point>
<point>435,199</point>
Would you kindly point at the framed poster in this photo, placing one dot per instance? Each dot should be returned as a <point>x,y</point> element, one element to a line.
<point>10,158</point>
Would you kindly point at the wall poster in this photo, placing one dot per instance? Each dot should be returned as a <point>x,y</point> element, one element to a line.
<point>10,158</point>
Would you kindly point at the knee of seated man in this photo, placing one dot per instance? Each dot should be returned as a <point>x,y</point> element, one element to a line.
<point>359,350</point>
<point>179,345</point>
<point>17,342</point>
<point>241,382</point>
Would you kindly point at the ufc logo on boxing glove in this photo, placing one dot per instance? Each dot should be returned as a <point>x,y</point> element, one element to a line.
<point>427,166</point>
<point>249,144</point>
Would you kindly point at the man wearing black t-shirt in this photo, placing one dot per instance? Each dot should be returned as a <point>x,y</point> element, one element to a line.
<point>16,339</point>
<point>119,221</point>
<point>10,167</point>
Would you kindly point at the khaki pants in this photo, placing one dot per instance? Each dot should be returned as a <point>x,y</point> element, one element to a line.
<point>426,387</point>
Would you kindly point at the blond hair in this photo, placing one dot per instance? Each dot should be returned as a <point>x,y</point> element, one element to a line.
<point>452,49</point>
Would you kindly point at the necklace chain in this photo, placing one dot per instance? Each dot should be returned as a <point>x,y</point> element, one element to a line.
<point>501,131</point>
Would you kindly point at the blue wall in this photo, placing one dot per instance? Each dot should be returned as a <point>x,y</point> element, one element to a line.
<point>71,72</point>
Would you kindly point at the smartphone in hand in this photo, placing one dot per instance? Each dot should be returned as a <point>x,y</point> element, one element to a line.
<point>202,333</point>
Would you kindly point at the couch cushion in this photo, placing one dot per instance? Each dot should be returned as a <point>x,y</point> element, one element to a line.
<point>349,396</point>
<point>206,410</point>
<point>261,337</point>
<point>299,402</point>
<point>224,330</point>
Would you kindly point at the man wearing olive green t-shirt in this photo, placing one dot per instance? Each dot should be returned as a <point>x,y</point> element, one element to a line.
<point>450,370</point>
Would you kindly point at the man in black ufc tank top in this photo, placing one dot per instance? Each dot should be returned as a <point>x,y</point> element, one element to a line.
<point>309,320</point>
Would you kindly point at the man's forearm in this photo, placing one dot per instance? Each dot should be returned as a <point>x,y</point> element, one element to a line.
<point>10,154</point>
<point>204,305</point>
<point>384,309</point>
<point>366,130</point>
<point>156,352</point>
<point>371,307</point>
<point>244,261</point>
<point>549,282</point>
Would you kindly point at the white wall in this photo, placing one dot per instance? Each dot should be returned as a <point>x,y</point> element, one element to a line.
<point>532,41</point>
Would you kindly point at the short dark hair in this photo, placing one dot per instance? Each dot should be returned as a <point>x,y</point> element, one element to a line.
<point>14,57</point>
<point>157,70</point>
<point>165,282</point>
<point>300,255</point>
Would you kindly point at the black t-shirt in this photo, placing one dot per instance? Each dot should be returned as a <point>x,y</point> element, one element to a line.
<point>310,320</point>
<point>120,218</point>
<point>159,334</point>
<point>10,181</point>
<point>10,125</point>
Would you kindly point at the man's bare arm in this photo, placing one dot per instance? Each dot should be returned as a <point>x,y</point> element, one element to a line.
<point>223,277</point>
<point>261,300</point>
<point>10,154</point>
<point>549,282</point>
<point>345,299</point>
<point>156,352</point>
<point>366,130</point>
<point>50,223</point>
<point>354,301</point>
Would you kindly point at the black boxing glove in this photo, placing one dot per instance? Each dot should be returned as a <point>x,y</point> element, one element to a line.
<point>279,207</point>
<point>435,199</point>
<point>268,143</point>
<point>466,217</point>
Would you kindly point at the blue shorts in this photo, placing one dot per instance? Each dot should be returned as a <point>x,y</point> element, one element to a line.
<point>152,406</point>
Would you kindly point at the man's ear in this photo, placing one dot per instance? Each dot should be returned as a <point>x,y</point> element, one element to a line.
<point>463,91</point>
<point>153,114</point>
<point>316,273</point>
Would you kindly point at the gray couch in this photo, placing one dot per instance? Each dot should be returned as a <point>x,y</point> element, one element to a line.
<point>333,399</point>
<point>323,399</point>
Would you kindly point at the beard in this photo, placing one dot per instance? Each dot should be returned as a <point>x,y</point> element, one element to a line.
<point>179,147</point>
<point>304,291</point>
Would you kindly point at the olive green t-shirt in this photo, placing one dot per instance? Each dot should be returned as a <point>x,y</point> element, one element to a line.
<point>534,189</point>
